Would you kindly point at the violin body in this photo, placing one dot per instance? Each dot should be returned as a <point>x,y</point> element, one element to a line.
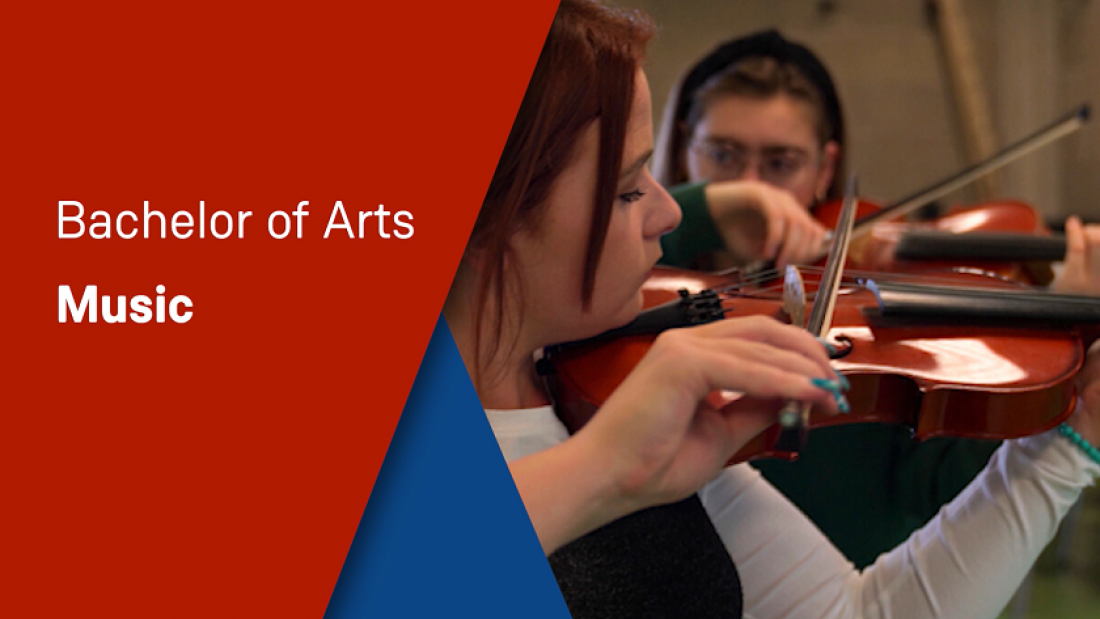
<point>875,251</point>
<point>963,380</point>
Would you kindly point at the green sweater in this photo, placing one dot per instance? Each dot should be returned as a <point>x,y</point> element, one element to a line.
<point>866,486</point>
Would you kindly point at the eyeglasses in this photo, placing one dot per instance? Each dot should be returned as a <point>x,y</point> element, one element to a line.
<point>775,165</point>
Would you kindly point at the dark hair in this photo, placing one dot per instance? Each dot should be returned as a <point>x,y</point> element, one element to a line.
<point>760,65</point>
<point>585,73</point>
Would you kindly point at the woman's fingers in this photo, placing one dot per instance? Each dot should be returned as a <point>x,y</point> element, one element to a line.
<point>1086,419</point>
<point>769,331</point>
<point>1091,235</point>
<point>792,245</point>
<point>666,427</point>
<point>803,239</point>
<point>772,373</point>
<point>1075,265</point>
<point>777,231</point>
<point>755,356</point>
<point>1075,238</point>
<point>767,354</point>
<point>815,245</point>
<point>760,222</point>
<point>748,416</point>
<point>808,248</point>
<point>1081,267</point>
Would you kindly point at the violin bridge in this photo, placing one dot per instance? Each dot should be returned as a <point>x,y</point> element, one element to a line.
<point>794,297</point>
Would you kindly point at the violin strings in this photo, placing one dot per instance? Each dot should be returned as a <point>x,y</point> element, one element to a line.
<point>853,277</point>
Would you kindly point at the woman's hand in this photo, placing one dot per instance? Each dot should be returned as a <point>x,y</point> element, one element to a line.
<point>760,222</point>
<point>1081,273</point>
<point>1086,419</point>
<point>664,433</point>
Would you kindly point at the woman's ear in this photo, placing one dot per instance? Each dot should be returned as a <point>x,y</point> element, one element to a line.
<point>830,154</point>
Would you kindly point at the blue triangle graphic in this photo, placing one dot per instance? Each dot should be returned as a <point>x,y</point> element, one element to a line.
<point>445,533</point>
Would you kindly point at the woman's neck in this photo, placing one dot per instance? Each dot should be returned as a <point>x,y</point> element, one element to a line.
<point>504,375</point>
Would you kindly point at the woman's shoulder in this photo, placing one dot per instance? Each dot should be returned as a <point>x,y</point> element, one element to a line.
<point>523,431</point>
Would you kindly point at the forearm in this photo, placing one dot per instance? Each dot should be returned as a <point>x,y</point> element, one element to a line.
<point>969,560</point>
<point>568,491</point>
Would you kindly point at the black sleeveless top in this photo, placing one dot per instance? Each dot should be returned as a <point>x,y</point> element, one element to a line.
<point>664,562</point>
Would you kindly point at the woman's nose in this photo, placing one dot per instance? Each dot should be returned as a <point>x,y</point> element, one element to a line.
<point>749,172</point>
<point>665,216</point>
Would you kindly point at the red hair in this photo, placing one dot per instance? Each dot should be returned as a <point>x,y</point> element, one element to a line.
<point>585,73</point>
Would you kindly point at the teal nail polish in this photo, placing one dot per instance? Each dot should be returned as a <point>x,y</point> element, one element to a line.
<point>844,383</point>
<point>825,383</point>
<point>843,405</point>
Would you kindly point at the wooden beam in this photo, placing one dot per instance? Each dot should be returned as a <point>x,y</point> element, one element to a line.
<point>971,97</point>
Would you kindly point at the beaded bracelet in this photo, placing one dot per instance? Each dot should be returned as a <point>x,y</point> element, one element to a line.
<point>1067,431</point>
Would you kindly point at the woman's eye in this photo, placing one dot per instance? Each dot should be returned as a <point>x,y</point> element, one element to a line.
<point>783,165</point>
<point>632,196</point>
<point>723,156</point>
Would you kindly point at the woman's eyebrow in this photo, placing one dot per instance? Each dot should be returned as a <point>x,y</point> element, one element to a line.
<point>778,149</point>
<point>767,149</point>
<point>721,139</point>
<point>637,165</point>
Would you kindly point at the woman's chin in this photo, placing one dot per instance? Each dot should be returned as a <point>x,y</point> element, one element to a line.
<point>612,319</point>
<point>631,309</point>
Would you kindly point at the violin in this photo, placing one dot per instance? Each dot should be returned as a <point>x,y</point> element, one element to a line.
<point>944,360</point>
<point>962,234</point>
<point>1000,237</point>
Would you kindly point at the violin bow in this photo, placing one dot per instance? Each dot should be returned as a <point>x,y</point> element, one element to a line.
<point>1062,127</point>
<point>1058,129</point>
<point>794,417</point>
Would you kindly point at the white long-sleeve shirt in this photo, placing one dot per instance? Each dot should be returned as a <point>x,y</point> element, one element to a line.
<point>967,562</point>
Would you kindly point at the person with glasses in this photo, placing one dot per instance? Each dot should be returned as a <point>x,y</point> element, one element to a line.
<point>761,111</point>
<point>753,138</point>
<point>779,165</point>
<point>637,513</point>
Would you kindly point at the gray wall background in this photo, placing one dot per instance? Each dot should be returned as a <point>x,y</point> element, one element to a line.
<point>1037,59</point>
